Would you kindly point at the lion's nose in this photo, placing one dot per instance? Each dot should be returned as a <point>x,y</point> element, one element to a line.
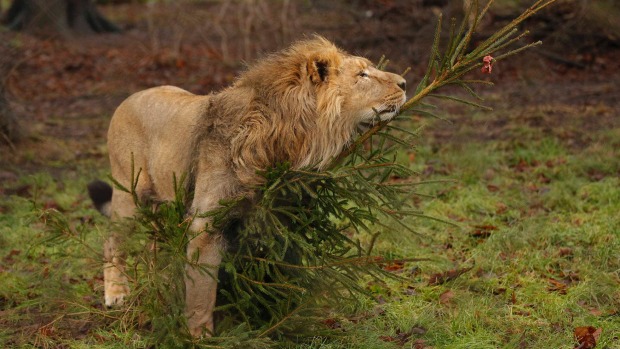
<point>402,85</point>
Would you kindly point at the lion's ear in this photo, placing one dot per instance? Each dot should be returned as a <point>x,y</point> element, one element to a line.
<point>318,71</point>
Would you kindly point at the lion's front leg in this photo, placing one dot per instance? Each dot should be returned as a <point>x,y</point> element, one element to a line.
<point>204,252</point>
<point>115,283</point>
<point>214,181</point>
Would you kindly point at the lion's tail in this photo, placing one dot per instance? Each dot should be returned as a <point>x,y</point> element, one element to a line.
<point>100,193</point>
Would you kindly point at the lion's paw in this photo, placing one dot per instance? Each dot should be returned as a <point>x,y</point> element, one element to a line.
<point>115,294</point>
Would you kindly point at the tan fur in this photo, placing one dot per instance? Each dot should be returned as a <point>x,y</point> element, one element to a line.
<point>302,105</point>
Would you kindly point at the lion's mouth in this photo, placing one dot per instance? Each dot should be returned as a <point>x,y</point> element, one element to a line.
<point>391,110</point>
<point>381,114</point>
<point>384,114</point>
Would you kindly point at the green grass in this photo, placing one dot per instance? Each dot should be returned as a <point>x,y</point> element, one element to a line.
<point>546,261</point>
<point>555,219</point>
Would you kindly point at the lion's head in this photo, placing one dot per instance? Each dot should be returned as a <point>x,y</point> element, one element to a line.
<point>307,104</point>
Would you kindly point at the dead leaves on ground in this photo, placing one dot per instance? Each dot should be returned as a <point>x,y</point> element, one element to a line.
<point>442,278</point>
<point>558,286</point>
<point>403,337</point>
<point>393,265</point>
<point>587,336</point>
<point>400,338</point>
<point>562,279</point>
<point>558,281</point>
<point>482,231</point>
<point>446,297</point>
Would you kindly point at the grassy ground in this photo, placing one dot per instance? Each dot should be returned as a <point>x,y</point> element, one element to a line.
<point>538,225</point>
<point>532,190</point>
<point>534,194</point>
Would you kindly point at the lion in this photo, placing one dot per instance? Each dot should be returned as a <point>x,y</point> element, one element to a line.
<point>301,106</point>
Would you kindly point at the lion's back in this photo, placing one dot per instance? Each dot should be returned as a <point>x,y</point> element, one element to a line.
<point>155,127</point>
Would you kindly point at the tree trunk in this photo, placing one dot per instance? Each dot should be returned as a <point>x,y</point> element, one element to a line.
<point>9,128</point>
<point>9,131</point>
<point>57,17</point>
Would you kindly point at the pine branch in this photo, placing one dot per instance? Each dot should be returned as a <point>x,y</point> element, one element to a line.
<point>450,68</point>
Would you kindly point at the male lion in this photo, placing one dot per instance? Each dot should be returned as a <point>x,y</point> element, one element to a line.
<point>302,105</point>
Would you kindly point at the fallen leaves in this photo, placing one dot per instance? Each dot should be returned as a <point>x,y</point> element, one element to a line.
<point>394,265</point>
<point>442,278</point>
<point>402,337</point>
<point>47,330</point>
<point>492,188</point>
<point>482,231</point>
<point>587,336</point>
<point>565,252</point>
<point>563,280</point>
<point>9,258</point>
<point>446,297</point>
<point>558,286</point>
<point>332,323</point>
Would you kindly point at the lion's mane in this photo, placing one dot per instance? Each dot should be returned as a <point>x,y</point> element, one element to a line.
<point>284,108</point>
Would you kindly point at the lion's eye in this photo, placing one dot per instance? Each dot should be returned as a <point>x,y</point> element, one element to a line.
<point>363,74</point>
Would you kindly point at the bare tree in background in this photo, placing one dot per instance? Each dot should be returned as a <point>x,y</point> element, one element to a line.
<point>8,125</point>
<point>57,17</point>
<point>9,130</point>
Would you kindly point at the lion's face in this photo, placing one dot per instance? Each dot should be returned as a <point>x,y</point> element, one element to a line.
<point>368,94</point>
<point>307,103</point>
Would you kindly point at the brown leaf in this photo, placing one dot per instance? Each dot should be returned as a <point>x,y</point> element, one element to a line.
<point>485,227</point>
<point>595,312</point>
<point>522,312</point>
<point>557,286</point>
<point>446,297</point>
<point>482,231</point>
<point>442,278</point>
<point>501,208</point>
<point>533,187</point>
<point>47,330</point>
<point>544,179</point>
<point>419,344</point>
<point>499,290</point>
<point>492,188</point>
<point>565,252</point>
<point>394,265</point>
<point>403,337</point>
<point>332,323</point>
<point>388,338</point>
<point>587,336</point>
<point>9,257</point>
<point>522,166</point>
